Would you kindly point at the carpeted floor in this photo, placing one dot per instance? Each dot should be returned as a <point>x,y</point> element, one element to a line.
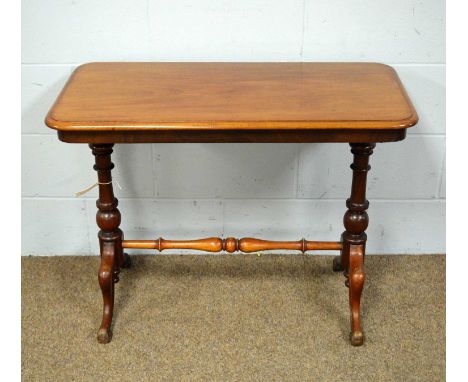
<point>233,318</point>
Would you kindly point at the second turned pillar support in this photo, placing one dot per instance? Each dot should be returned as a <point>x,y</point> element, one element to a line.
<point>110,236</point>
<point>356,220</point>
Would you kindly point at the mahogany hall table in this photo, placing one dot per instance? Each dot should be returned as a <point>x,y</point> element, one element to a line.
<point>107,103</point>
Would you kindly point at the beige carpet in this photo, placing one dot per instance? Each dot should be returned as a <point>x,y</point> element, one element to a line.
<point>233,318</point>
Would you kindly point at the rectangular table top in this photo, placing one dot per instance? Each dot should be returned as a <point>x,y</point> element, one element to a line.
<point>155,96</point>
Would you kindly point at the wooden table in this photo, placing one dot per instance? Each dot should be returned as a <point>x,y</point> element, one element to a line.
<point>107,103</point>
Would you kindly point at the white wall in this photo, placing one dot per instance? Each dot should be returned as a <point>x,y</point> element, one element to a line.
<point>272,191</point>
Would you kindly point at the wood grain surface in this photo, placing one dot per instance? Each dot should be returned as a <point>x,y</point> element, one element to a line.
<point>231,96</point>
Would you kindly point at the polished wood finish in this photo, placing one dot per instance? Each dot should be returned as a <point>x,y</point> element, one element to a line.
<point>230,244</point>
<point>107,103</point>
<point>249,244</point>
<point>356,283</point>
<point>234,136</point>
<point>110,236</point>
<point>356,221</point>
<point>232,96</point>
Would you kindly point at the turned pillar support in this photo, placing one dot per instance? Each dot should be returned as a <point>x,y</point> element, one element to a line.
<point>110,236</point>
<point>355,220</point>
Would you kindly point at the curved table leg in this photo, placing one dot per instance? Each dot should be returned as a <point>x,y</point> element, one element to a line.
<point>110,236</point>
<point>106,282</point>
<point>356,284</point>
<point>354,237</point>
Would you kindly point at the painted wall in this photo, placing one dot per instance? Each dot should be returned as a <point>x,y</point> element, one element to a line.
<point>271,191</point>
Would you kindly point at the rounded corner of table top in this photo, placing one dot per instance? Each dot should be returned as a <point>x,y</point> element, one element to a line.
<point>88,66</point>
<point>411,121</point>
<point>383,66</point>
<point>51,122</point>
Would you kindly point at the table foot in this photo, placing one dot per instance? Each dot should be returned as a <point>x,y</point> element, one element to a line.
<point>104,336</point>
<point>337,267</point>
<point>357,338</point>
<point>127,261</point>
